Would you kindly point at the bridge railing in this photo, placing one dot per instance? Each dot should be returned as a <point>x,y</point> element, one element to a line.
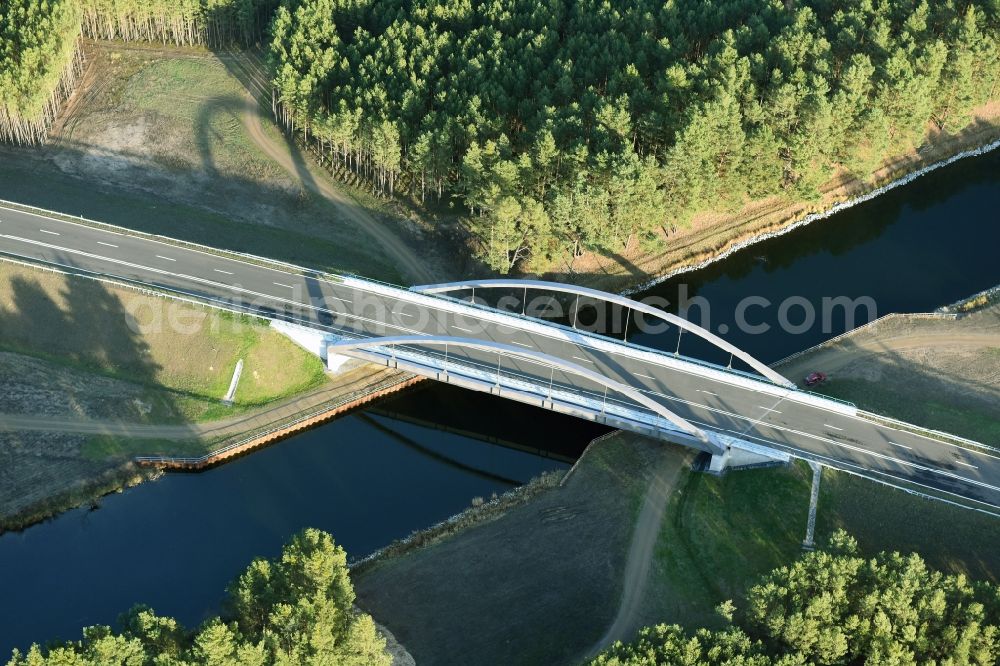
<point>642,348</point>
<point>596,336</point>
<point>574,394</point>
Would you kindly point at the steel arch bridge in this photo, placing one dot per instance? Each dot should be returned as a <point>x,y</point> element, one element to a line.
<point>623,301</point>
<point>703,440</point>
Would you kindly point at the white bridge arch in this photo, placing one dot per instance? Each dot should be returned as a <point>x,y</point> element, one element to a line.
<point>596,294</point>
<point>700,437</point>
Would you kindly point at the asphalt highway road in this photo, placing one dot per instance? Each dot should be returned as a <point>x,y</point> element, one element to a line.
<point>852,443</point>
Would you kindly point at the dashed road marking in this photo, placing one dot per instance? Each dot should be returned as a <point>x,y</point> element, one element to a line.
<point>46,231</point>
<point>585,360</point>
<point>827,425</point>
<point>639,374</point>
<point>219,270</point>
<point>708,392</point>
<point>106,244</point>
<point>467,330</point>
<point>902,446</point>
<point>522,344</point>
<point>160,256</point>
<point>282,284</point>
<point>966,464</point>
<point>770,409</point>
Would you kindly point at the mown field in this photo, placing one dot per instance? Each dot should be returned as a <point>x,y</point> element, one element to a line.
<point>184,354</point>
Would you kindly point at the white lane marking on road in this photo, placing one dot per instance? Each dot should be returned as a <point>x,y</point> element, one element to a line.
<point>843,463</point>
<point>769,409</point>
<point>966,464</point>
<point>401,314</point>
<point>827,425</point>
<point>467,330</point>
<point>108,244</point>
<point>902,446</point>
<point>585,360</point>
<point>160,256</point>
<point>973,451</point>
<point>708,392</point>
<point>224,304</point>
<point>639,374</point>
<point>815,437</point>
<point>46,231</point>
<point>282,284</point>
<point>522,344</point>
<point>219,270</point>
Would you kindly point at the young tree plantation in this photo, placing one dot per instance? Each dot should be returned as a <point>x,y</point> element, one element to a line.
<point>39,65</point>
<point>561,126</point>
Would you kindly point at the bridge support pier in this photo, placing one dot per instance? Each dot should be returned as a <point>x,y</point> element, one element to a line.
<point>740,454</point>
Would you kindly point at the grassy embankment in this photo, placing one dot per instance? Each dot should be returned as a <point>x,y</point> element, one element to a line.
<point>183,354</point>
<point>178,358</point>
<point>938,373</point>
<point>158,142</point>
<point>529,582</point>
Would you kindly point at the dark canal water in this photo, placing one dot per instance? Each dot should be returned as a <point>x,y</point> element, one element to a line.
<point>375,476</point>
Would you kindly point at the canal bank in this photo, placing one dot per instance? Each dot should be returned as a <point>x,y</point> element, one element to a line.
<point>714,236</point>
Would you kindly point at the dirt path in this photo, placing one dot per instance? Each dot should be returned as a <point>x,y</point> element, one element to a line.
<point>292,161</point>
<point>641,552</point>
<point>352,382</point>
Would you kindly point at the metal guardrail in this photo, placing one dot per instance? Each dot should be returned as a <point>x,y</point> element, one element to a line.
<point>170,240</point>
<point>196,460</point>
<point>928,432</point>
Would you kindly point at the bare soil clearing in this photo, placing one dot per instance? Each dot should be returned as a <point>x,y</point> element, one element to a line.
<point>539,584</point>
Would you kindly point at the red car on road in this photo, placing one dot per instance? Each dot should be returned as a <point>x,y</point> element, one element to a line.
<point>815,378</point>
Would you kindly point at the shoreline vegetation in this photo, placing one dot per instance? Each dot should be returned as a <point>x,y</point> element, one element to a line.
<point>796,215</point>
<point>297,608</point>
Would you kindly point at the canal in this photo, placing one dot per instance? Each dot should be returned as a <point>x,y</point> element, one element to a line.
<point>411,461</point>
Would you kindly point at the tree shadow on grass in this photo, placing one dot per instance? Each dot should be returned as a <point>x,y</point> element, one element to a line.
<point>86,327</point>
<point>232,212</point>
